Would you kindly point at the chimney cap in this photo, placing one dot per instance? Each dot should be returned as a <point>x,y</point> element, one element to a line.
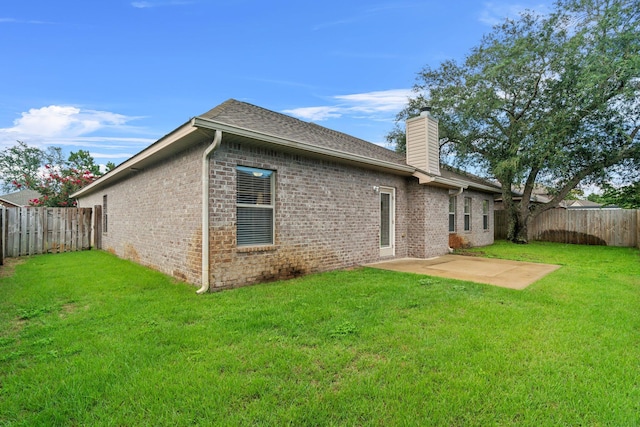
<point>425,111</point>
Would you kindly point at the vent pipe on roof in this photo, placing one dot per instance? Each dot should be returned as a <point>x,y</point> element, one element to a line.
<point>425,111</point>
<point>205,210</point>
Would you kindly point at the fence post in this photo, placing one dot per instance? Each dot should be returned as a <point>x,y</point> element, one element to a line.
<point>2,234</point>
<point>97,226</point>
<point>638,228</point>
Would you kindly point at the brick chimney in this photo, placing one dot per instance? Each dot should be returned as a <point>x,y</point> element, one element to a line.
<point>423,150</point>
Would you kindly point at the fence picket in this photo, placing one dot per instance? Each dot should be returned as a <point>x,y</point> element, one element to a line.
<point>619,227</point>
<point>34,230</point>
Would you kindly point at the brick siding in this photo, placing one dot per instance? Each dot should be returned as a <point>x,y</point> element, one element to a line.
<point>326,216</point>
<point>477,236</point>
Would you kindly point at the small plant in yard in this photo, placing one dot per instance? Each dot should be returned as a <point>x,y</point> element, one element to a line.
<point>427,281</point>
<point>343,329</point>
<point>30,313</point>
<point>130,346</point>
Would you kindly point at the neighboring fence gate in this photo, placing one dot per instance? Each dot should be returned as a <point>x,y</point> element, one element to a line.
<point>619,227</point>
<point>30,231</point>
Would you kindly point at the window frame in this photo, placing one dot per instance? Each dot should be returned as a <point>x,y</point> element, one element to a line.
<point>485,215</point>
<point>453,201</point>
<point>467,213</point>
<point>242,242</point>
<point>105,221</point>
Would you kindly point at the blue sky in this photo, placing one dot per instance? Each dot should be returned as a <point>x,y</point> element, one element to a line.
<point>113,76</point>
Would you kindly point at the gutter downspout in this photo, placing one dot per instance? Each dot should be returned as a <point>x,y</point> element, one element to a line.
<point>457,193</point>
<point>217,138</point>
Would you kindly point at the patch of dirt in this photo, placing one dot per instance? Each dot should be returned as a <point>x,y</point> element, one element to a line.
<point>9,266</point>
<point>457,242</point>
<point>572,237</point>
<point>67,309</point>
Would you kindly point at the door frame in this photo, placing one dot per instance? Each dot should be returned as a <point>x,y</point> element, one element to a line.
<point>389,250</point>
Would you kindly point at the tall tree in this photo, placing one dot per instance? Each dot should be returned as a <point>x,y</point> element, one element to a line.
<point>47,172</point>
<point>627,197</point>
<point>543,100</point>
<point>81,160</point>
<point>19,164</point>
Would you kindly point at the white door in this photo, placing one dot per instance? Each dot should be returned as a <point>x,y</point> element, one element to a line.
<point>387,221</point>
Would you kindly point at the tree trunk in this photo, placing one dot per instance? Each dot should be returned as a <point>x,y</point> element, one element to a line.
<point>522,231</point>
<point>518,225</point>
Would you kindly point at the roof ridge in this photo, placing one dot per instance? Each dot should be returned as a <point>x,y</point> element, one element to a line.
<point>250,116</point>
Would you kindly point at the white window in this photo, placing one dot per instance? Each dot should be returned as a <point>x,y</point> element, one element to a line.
<point>467,214</point>
<point>485,214</point>
<point>105,222</point>
<point>254,206</point>
<point>452,214</point>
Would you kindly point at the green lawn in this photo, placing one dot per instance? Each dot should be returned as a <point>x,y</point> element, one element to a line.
<point>89,339</point>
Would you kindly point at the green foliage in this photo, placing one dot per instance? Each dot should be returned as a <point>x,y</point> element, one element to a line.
<point>108,342</point>
<point>627,197</point>
<point>398,139</point>
<point>19,164</point>
<point>56,187</point>
<point>30,313</point>
<point>543,100</point>
<point>46,172</point>
<point>82,161</point>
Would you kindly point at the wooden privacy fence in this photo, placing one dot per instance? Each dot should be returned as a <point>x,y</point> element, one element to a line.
<point>30,231</point>
<point>611,227</point>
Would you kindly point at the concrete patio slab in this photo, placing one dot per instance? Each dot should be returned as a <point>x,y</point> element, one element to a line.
<point>498,272</point>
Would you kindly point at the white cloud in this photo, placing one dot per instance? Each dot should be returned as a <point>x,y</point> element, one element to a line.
<point>97,155</point>
<point>150,4</point>
<point>373,105</point>
<point>315,113</point>
<point>57,120</point>
<point>61,125</point>
<point>380,101</point>
<point>22,21</point>
<point>494,13</point>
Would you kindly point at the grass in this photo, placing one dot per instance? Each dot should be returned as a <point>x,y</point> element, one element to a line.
<point>89,339</point>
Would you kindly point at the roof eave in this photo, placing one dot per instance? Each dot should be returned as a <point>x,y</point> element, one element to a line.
<point>426,178</point>
<point>131,166</point>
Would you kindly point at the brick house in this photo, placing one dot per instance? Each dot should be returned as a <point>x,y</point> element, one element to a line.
<point>283,198</point>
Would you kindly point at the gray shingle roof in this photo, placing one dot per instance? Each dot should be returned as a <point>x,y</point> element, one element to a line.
<point>447,171</point>
<point>20,198</point>
<point>248,116</point>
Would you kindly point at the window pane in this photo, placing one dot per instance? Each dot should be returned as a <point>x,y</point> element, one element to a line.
<point>467,213</point>
<point>254,198</point>
<point>254,186</point>
<point>485,214</point>
<point>385,226</point>
<point>452,214</point>
<point>255,226</point>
